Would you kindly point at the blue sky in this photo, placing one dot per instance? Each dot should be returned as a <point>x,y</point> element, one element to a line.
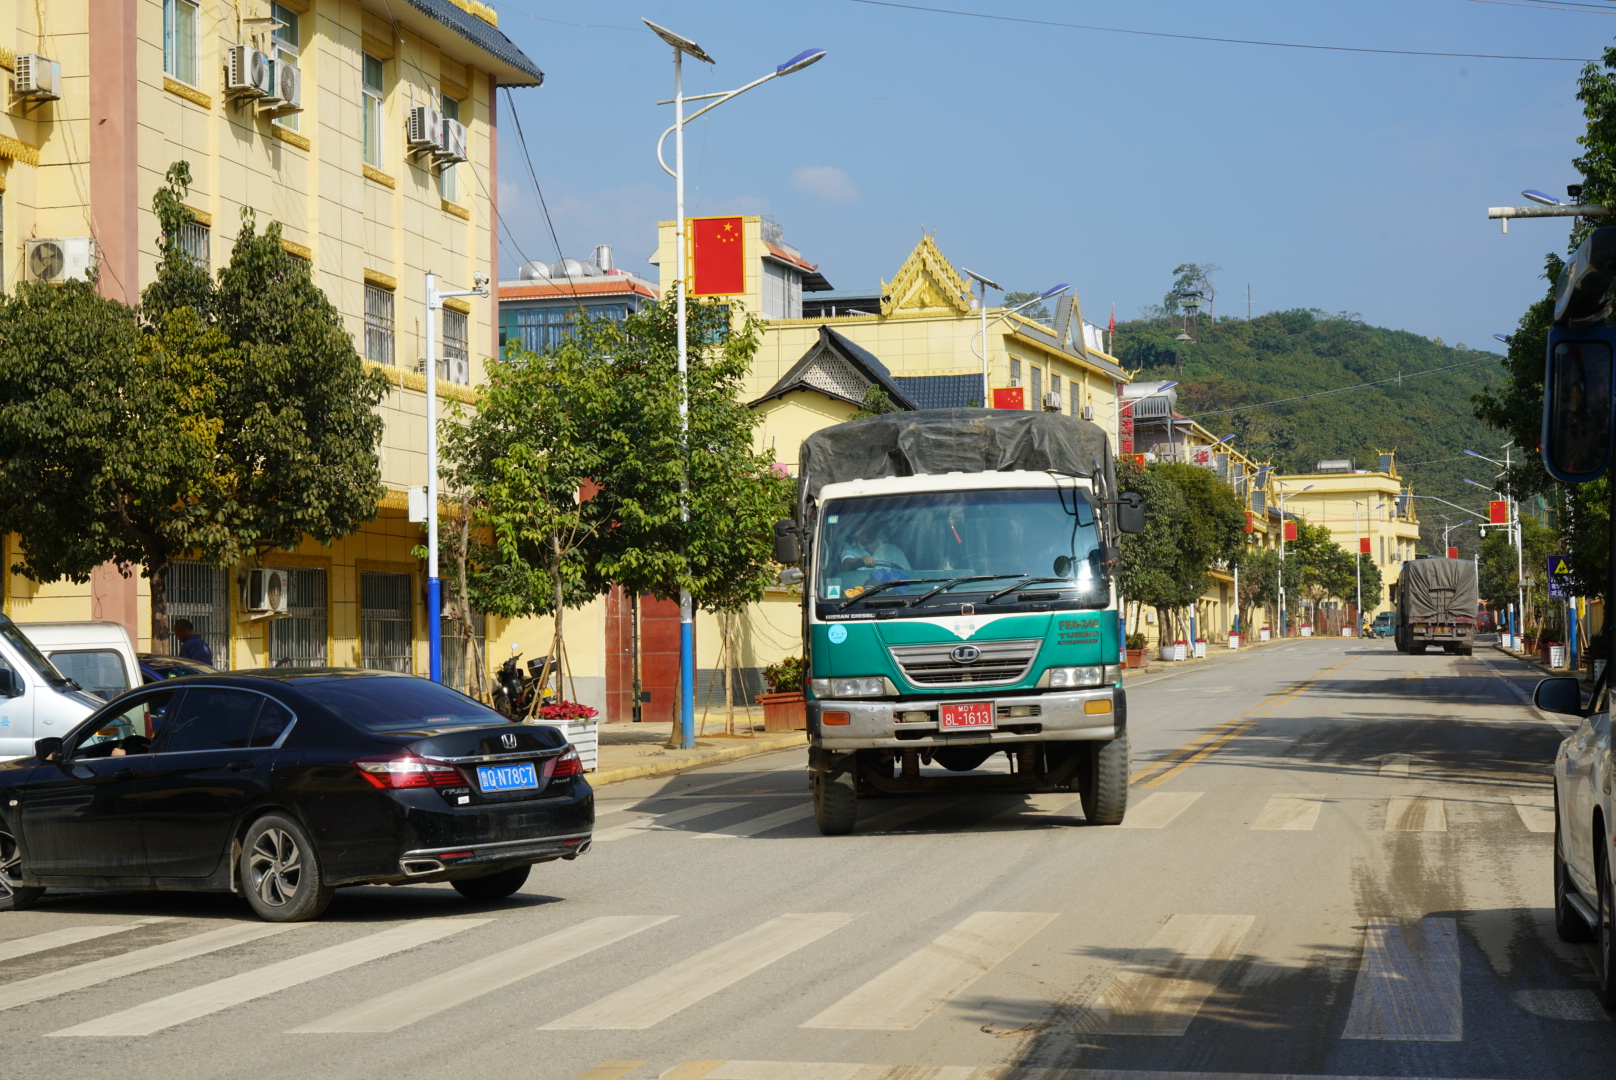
<point>1333,180</point>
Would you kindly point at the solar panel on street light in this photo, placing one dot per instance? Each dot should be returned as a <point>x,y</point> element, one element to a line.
<point>680,42</point>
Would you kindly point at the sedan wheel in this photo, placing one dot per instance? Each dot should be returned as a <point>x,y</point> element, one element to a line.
<point>280,873</point>
<point>14,895</point>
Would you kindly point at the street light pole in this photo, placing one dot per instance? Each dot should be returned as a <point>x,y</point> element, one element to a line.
<point>1281,582</point>
<point>1518,621</point>
<point>982,334</point>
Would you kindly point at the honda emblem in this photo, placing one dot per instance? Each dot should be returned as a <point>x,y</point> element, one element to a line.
<point>509,741</point>
<point>966,654</point>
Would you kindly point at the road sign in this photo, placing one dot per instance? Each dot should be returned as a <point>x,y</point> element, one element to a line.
<point>1559,571</point>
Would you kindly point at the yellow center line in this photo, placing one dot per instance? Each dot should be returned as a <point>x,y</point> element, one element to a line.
<point>1203,746</point>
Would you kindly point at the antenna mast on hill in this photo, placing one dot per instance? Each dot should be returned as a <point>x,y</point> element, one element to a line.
<point>1248,303</point>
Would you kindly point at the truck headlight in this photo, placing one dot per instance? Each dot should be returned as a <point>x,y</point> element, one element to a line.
<point>1068,677</point>
<point>859,686</point>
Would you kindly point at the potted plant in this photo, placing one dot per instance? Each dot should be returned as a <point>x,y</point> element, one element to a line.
<point>1135,646</point>
<point>1529,639</point>
<point>784,707</point>
<point>577,722</point>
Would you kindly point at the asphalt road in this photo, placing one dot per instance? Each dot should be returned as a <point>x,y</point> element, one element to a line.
<point>1335,863</point>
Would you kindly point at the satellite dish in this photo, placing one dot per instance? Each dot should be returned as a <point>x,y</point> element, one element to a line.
<point>1539,197</point>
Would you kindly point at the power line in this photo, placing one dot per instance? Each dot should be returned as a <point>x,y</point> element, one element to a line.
<point>1346,389</point>
<point>560,255</point>
<point>1560,5</point>
<point>1223,40</point>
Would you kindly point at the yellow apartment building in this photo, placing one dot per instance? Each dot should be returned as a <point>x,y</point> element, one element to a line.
<point>368,129</point>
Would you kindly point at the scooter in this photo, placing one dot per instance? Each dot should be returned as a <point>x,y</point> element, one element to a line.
<point>518,696</point>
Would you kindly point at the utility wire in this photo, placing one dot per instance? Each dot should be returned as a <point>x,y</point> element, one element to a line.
<point>1545,5</point>
<point>560,255</point>
<point>1346,389</point>
<point>1203,37</point>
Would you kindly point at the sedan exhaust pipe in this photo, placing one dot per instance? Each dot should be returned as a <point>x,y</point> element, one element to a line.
<point>420,867</point>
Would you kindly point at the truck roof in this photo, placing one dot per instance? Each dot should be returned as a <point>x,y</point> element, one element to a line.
<point>954,481</point>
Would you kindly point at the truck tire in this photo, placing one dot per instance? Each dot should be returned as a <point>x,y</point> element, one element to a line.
<point>835,802</point>
<point>1105,782</point>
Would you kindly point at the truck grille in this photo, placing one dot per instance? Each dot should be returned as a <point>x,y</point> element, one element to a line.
<point>934,665</point>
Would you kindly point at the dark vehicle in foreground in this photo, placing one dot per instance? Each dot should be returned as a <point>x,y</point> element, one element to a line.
<point>283,785</point>
<point>1436,606</point>
<point>156,668</point>
<point>1384,624</point>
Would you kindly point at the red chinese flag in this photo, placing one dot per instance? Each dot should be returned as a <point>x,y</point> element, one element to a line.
<point>1009,397</point>
<point>1290,530</point>
<point>717,257</point>
<point>1139,460</point>
<point>1363,545</point>
<point>1498,512</point>
<point>1249,526</point>
<point>1453,553</point>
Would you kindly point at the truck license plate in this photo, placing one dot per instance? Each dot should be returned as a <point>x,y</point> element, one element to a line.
<point>965,716</point>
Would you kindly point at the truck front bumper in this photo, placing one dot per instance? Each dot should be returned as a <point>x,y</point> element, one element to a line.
<point>1052,717</point>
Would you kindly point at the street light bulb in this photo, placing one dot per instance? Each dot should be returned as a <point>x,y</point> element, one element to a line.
<point>1539,197</point>
<point>1052,292</point>
<point>800,61</point>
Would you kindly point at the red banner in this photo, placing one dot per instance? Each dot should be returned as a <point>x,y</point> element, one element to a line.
<point>1009,397</point>
<point>1249,526</point>
<point>1453,553</point>
<point>1124,426</point>
<point>1498,512</point>
<point>1363,545</point>
<point>1290,530</point>
<point>717,257</point>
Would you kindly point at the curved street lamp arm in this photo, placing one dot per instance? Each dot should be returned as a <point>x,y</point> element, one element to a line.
<point>707,109</point>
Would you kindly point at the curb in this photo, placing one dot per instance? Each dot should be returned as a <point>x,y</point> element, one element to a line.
<point>1166,669</point>
<point>697,761</point>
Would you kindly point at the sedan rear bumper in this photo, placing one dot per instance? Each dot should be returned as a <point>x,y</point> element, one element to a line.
<point>427,862</point>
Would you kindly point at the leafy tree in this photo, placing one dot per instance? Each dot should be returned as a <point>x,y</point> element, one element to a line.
<point>876,403</point>
<point>1499,579</point>
<point>1192,522</point>
<point>1037,311</point>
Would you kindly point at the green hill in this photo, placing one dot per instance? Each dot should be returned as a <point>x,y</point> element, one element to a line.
<point>1426,419</point>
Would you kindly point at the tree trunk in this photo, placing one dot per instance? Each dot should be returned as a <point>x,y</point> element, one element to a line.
<point>462,543</point>
<point>157,575</point>
<point>730,668</point>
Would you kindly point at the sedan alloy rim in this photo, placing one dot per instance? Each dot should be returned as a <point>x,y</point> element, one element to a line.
<point>275,867</point>
<point>10,866</point>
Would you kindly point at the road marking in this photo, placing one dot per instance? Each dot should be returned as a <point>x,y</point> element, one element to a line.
<point>840,1070</point>
<point>416,1002</point>
<point>903,996</point>
<point>1163,994</point>
<point>1158,810</point>
<point>912,811</point>
<point>645,823</point>
<point>1408,987</point>
<point>1536,811</point>
<point>1290,813</point>
<point>1053,803</point>
<point>199,1001</point>
<point>652,1000</point>
<point>56,939</point>
<point>609,1070</point>
<point>754,826</point>
<point>1394,765</point>
<point>27,991</point>
<point>1416,813</point>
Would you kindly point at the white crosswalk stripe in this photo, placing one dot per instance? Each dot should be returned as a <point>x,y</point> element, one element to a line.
<point>1158,811</point>
<point>1416,813</point>
<point>40,987</point>
<point>1163,995</point>
<point>1395,765</point>
<point>643,823</point>
<point>409,1004</point>
<point>1408,988</point>
<point>1536,811</point>
<point>903,996</point>
<point>56,939</point>
<point>754,826</point>
<point>1290,813</point>
<point>654,999</point>
<point>165,1012</point>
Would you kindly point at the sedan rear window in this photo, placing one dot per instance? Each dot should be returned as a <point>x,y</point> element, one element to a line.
<point>391,704</point>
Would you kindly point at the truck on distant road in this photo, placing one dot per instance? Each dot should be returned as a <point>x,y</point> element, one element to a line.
<point>958,603</point>
<point>1436,605</point>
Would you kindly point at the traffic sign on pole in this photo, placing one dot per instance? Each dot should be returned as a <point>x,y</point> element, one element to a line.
<point>1559,572</point>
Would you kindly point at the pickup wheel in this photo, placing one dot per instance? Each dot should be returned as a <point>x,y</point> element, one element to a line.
<point>1104,784</point>
<point>1567,923</point>
<point>835,802</point>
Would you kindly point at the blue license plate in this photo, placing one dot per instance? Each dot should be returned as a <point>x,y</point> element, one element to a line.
<point>521,777</point>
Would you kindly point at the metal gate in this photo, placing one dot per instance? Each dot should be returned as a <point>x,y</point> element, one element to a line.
<point>386,622</point>
<point>201,593</point>
<point>299,640</point>
<point>459,669</point>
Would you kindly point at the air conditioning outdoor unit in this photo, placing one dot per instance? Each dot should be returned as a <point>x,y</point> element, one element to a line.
<point>1052,401</point>
<point>248,73</point>
<point>268,592</point>
<point>424,128</point>
<point>38,78</point>
<point>1088,412</point>
<point>288,93</point>
<point>460,372</point>
<point>454,142</point>
<point>55,261</point>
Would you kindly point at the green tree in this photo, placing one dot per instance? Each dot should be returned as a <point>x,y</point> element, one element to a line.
<point>1193,522</point>
<point>1039,311</point>
<point>1501,579</point>
<point>876,403</point>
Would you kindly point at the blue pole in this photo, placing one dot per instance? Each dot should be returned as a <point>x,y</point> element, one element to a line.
<point>1571,634</point>
<point>687,674</point>
<point>434,628</point>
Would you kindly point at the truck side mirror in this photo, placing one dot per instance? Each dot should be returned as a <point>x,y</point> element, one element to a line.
<point>1130,512</point>
<point>787,542</point>
<point>1562,696</point>
<point>10,685</point>
<point>1577,403</point>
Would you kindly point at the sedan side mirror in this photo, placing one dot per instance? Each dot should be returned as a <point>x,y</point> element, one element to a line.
<point>1131,512</point>
<point>1561,695</point>
<point>44,748</point>
<point>787,542</point>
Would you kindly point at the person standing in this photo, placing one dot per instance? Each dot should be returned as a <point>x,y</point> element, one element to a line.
<point>192,645</point>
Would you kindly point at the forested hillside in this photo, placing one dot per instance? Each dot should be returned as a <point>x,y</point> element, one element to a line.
<point>1427,419</point>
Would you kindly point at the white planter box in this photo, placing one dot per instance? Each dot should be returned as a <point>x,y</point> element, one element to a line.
<point>1234,641</point>
<point>1346,631</point>
<point>1175,652</point>
<point>1307,631</point>
<point>1264,634</point>
<point>1557,656</point>
<point>1200,650</point>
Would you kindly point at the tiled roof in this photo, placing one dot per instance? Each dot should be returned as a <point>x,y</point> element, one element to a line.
<point>484,35</point>
<point>941,391</point>
<point>608,286</point>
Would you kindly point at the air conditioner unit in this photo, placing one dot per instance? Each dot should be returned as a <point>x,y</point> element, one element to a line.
<point>248,73</point>
<point>1088,412</point>
<point>268,592</point>
<point>38,78</point>
<point>424,128</point>
<point>1052,401</point>
<point>288,94</point>
<point>454,142</point>
<point>55,261</point>
<point>460,372</point>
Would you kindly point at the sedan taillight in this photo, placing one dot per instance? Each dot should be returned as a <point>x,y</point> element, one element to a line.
<point>407,771</point>
<point>568,764</point>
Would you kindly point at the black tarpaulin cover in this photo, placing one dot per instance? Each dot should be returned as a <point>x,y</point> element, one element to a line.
<point>1439,589</point>
<point>934,441</point>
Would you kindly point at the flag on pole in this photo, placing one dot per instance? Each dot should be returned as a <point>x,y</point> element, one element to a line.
<point>717,257</point>
<point>1290,530</point>
<point>1113,327</point>
<point>1363,545</point>
<point>1498,512</point>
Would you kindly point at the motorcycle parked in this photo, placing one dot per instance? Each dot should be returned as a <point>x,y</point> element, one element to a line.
<point>519,695</point>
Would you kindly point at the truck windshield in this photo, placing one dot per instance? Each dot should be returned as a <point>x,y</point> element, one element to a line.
<point>928,538</point>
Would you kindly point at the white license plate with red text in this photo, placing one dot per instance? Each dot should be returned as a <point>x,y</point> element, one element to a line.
<point>966,716</point>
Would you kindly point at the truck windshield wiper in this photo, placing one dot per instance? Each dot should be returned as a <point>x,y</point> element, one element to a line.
<point>878,588</point>
<point>951,582</point>
<point>1024,583</point>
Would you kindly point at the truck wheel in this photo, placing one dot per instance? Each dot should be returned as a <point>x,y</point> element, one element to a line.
<point>1105,782</point>
<point>835,803</point>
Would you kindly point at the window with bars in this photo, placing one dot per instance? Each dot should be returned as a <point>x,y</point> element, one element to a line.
<point>386,622</point>
<point>196,240</point>
<point>460,666</point>
<point>378,324</point>
<point>1037,388</point>
<point>201,593</point>
<point>372,94</point>
<point>179,40</point>
<point>456,346</point>
<point>300,639</point>
<point>538,328</point>
<point>449,175</point>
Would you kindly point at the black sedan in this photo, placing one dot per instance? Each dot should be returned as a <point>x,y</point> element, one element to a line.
<point>156,668</point>
<point>284,784</point>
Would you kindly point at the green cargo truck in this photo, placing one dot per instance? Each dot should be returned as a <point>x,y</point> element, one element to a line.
<point>958,603</point>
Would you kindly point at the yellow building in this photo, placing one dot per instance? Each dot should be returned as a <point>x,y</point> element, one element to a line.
<point>300,110</point>
<point>1358,505</point>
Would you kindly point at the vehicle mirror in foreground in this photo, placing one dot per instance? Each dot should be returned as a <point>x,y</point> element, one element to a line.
<point>787,543</point>
<point>10,685</point>
<point>1131,512</point>
<point>44,748</point>
<point>1577,403</point>
<point>1562,696</point>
